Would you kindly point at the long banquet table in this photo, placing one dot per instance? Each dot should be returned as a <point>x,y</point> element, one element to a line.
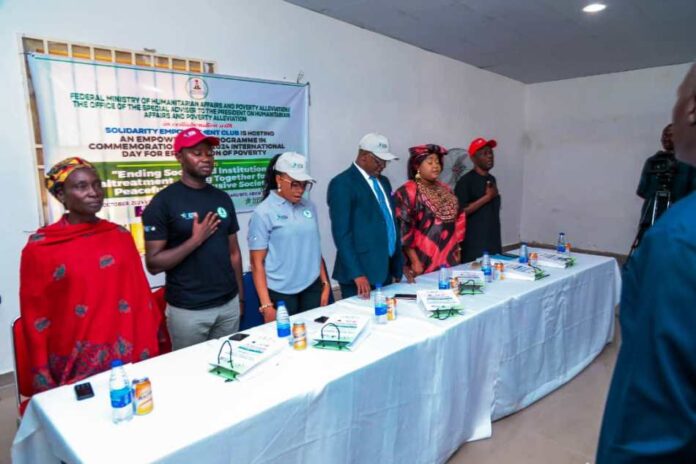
<point>414,390</point>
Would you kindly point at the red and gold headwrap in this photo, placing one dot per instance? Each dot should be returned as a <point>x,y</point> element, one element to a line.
<point>61,170</point>
<point>419,153</point>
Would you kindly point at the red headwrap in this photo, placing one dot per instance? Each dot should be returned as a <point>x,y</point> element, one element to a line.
<point>419,153</point>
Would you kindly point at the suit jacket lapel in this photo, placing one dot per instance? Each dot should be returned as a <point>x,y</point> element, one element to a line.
<point>367,189</point>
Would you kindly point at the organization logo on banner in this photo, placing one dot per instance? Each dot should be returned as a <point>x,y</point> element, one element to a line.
<point>197,88</point>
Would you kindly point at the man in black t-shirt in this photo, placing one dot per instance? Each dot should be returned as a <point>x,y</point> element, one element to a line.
<point>478,196</point>
<point>681,176</point>
<point>191,234</point>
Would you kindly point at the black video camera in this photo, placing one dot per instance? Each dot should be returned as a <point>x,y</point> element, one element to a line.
<point>664,168</point>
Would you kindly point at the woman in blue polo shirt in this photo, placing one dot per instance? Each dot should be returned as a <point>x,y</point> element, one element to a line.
<point>284,246</point>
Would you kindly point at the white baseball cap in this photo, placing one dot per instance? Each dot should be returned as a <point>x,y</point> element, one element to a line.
<point>378,145</point>
<point>294,165</point>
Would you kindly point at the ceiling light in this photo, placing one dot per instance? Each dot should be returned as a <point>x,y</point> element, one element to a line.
<point>594,7</point>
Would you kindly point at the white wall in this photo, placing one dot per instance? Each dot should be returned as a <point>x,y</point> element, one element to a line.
<point>361,82</point>
<point>587,140</point>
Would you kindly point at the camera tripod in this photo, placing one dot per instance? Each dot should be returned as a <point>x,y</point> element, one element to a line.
<point>659,203</point>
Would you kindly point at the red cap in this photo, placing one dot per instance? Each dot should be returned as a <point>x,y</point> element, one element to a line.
<point>190,137</point>
<point>479,143</point>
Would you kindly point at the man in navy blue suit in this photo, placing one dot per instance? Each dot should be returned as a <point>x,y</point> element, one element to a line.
<point>362,221</point>
<point>650,415</point>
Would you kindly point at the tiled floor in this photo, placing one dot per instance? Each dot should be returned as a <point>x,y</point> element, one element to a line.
<point>562,428</point>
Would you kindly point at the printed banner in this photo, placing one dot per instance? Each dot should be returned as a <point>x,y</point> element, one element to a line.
<point>124,120</point>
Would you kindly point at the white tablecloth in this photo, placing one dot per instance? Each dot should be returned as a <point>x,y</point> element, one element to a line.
<point>414,390</point>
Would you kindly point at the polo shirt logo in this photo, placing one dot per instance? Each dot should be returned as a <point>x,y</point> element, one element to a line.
<point>307,213</point>
<point>222,212</point>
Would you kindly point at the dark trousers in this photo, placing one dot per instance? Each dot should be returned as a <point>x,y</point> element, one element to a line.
<point>309,298</point>
<point>350,289</point>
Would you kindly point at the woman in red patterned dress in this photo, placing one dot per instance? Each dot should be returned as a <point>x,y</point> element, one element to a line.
<point>432,225</point>
<point>84,297</point>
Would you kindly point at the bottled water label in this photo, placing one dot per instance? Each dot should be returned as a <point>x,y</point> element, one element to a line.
<point>282,321</point>
<point>380,306</point>
<point>524,254</point>
<point>443,282</point>
<point>121,398</point>
<point>283,330</point>
<point>561,244</point>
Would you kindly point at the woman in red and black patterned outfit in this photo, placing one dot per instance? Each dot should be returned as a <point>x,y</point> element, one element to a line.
<point>432,225</point>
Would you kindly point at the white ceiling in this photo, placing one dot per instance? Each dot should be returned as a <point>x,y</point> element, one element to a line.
<point>532,40</point>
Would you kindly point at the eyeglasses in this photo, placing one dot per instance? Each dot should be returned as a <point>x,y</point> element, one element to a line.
<point>377,159</point>
<point>296,185</point>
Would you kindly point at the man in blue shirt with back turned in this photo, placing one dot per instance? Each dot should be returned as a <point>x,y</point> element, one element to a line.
<point>650,415</point>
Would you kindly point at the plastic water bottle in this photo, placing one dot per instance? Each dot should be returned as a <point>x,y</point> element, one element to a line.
<point>282,320</point>
<point>443,282</point>
<point>486,267</point>
<point>524,253</point>
<point>380,305</point>
<point>120,393</point>
<point>561,244</point>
